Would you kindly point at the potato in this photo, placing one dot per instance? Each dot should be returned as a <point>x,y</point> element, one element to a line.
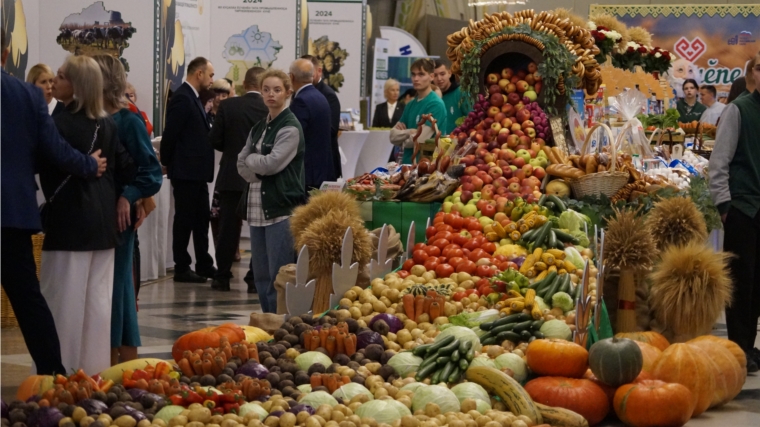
<point>524,418</point>
<point>379,306</point>
<point>456,423</point>
<point>432,410</point>
<point>272,421</point>
<point>233,417</point>
<point>143,423</point>
<point>257,423</point>
<point>482,420</point>
<point>409,421</point>
<point>287,420</point>
<point>122,421</point>
<point>406,401</point>
<point>229,423</point>
<point>311,422</point>
<point>378,288</point>
<point>519,423</point>
<point>366,309</point>
<point>354,405</point>
<point>469,405</point>
<point>324,411</point>
<point>320,419</point>
<point>179,420</point>
<point>366,296</point>
<point>332,424</point>
<point>195,424</point>
<point>346,424</point>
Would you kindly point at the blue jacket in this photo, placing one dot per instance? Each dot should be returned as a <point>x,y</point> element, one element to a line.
<point>313,112</point>
<point>28,135</point>
<point>186,149</point>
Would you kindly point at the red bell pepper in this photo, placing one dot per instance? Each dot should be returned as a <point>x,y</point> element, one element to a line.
<point>231,408</point>
<point>162,368</point>
<point>193,397</point>
<point>141,374</point>
<point>176,399</point>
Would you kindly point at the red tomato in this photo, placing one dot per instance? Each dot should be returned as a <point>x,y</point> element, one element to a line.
<point>477,254</point>
<point>457,295</point>
<point>447,218</point>
<point>433,250</point>
<point>485,271</point>
<point>431,264</point>
<point>419,256</point>
<point>441,243</point>
<point>469,292</point>
<point>444,270</point>
<point>475,226</point>
<point>466,266</point>
<point>420,246</point>
<point>454,261</point>
<point>442,259</point>
<point>430,232</point>
<point>443,227</point>
<point>504,266</point>
<point>500,258</point>
<point>455,253</point>
<point>438,218</point>
<point>471,245</point>
<point>489,247</point>
<point>403,274</point>
<point>482,282</point>
<point>443,235</point>
<point>460,240</point>
<point>457,222</point>
<point>408,264</point>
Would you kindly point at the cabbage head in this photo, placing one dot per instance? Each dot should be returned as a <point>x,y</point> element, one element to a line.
<point>413,386</point>
<point>255,408</point>
<point>170,411</point>
<point>483,360</point>
<point>556,329</point>
<point>514,363</point>
<point>304,388</point>
<point>348,391</point>
<point>305,360</point>
<point>470,390</point>
<point>405,363</point>
<point>383,411</point>
<point>317,398</point>
<point>441,396</point>
<point>462,334</point>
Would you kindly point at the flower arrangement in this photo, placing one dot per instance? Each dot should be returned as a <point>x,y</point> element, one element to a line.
<point>605,39</point>
<point>657,61</point>
<point>651,59</point>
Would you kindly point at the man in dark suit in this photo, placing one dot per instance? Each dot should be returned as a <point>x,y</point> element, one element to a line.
<point>332,99</point>
<point>234,120</point>
<point>28,135</point>
<point>313,112</point>
<point>187,153</point>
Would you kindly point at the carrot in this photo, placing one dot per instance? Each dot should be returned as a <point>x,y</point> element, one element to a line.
<point>331,383</point>
<point>349,342</point>
<point>323,337</point>
<point>49,395</point>
<point>243,351</point>
<point>198,367</point>
<point>409,306</point>
<point>426,304</point>
<point>431,293</point>
<point>206,367</point>
<point>315,380</point>
<point>142,384</point>
<point>184,366</point>
<point>345,379</point>
<point>218,365</point>
<point>340,341</point>
<point>315,341</point>
<point>435,310</point>
<point>253,352</point>
<point>342,326</point>
<point>199,352</point>
<point>331,346</point>
<point>227,349</point>
<point>419,304</point>
<point>186,354</point>
<point>223,355</point>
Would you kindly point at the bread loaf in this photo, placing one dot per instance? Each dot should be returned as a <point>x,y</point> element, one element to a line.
<point>564,171</point>
<point>591,165</point>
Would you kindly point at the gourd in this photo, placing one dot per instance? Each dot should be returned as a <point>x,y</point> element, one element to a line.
<point>34,385</point>
<point>729,376</point>
<point>686,365</point>
<point>649,353</point>
<point>207,337</point>
<point>649,337</point>
<point>653,403</point>
<point>731,346</point>
<point>615,361</point>
<point>578,395</point>
<point>556,357</point>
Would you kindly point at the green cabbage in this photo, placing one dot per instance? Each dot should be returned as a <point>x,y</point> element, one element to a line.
<point>514,363</point>
<point>556,329</point>
<point>168,412</point>
<point>573,221</point>
<point>441,396</point>
<point>304,388</point>
<point>563,300</point>
<point>384,411</point>
<point>252,407</point>
<point>471,320</point>
<point>317,398</point>
<point>482,406</point>
<point>413,386</point>
<point>470,390</point>
<point>542,304</point>
<point>572,255</point>
<point>462,334</point>
<point>305,360</point>
<point>483,360</point>
<point>348,391</point>
<point>582,238</point>
<point>405,363</point>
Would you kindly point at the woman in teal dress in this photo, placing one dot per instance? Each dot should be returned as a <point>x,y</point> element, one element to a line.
<point>689,108</point>
<point>426,102</point>
<point>125,333</point>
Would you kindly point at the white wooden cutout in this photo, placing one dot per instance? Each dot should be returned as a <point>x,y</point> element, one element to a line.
<point>300,295</point>
<point>407,254</point>
<point>344,275</point>
<point>381,266</point>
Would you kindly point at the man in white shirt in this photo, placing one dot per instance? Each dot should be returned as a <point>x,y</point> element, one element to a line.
<point>707,95</point>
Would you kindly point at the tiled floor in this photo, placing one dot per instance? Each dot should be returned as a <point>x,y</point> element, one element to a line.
<point>169,310</point>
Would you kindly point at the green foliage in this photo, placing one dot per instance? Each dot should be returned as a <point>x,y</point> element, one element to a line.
<point>662,121</point>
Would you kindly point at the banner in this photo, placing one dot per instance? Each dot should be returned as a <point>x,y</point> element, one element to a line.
<point>337,37</point>
<point>713,43</point>
<point>261,33</point>
<point>21,18</point>
<point>379,73</point>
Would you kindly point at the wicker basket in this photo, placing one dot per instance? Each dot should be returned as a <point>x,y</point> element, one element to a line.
<point>7,316</point>
<point>607,183</point>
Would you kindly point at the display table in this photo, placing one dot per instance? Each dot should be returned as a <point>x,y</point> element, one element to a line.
<point>351,143</point>
<point>400,215</point>
<point>364,151</point>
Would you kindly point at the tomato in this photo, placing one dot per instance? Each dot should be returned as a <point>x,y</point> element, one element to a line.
<point>500,258</point>
<point>432,250</point>
<point>420,246</point>
<point>477,254</point>
<point>438,218</point>
<point>430,232</point>
<point>443,227</point>
<point>489,247</point>
<point>460,239</point>
<point>485,271</point>
<point>455,253</point>
<point>504,266</point>
<point>441,243</point>
<point>469,292</point>
<point>442,259</point>
<point>447,218</point>
<point>443,235</point>
<point>408,264</point>
<point>471,245</point>
<point>513,266</point>
<point>458,296</point>
<point>466,266</point>
<point>454,261</point>
<point>475,226</point>
<point>444,270</point>
<point>431,264</point>
<point>419,256</point>
<point>403,274</point>
<point>457,222</point>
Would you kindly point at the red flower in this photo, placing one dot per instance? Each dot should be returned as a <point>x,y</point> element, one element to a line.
<point>600,28</point>
<point>599,37</point>
<point>630,49</point>
<point>642,49</point>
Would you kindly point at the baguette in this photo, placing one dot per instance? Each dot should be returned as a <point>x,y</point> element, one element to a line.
<point>591,165</point>
<point>575,159</point>
<point>564,171</point>
<point>561,157</point>
<point>550,155</point>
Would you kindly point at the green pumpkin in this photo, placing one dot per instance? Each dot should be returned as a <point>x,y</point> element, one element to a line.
<point>417,289</point>
<point>615,361</point>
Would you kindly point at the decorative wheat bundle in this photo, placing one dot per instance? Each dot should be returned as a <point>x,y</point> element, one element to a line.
<point>691,286</point>
<point>608,21</point>
<point>640,35</point>
<point>320,205</point>
<point>574,19</point>
<point>676,221</point>
<point>628,246</point>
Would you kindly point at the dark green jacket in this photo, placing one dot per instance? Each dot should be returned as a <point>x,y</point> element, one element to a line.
<point>694,114</point>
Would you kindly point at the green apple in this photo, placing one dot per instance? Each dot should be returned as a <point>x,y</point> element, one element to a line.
<point>476,195</point>
<point>484,220</point>
<point>457,194</point>
<point>478,214</point>
<point>542,161</point>
<point>541,154</point>
<point>533,162</point>
<point>456,200</point>
<point>457,207</point>
<point>448,199</point>
<point>524,154</point>
<point>447,205</point>
<point>468,210</point>
<point>531,94</point>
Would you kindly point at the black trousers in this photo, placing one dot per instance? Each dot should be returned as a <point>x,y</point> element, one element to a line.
<point>19,279</point>
<point>743,240</point>
<point>191,216</point>
<point>229,233</point>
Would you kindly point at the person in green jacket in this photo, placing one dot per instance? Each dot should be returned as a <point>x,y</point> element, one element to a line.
<point>689,108</point>
<point>452,95</point>
<point>735,189</point>
<point>426,102</point>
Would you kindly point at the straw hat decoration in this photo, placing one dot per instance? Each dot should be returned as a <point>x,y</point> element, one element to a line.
<point>676,221</point>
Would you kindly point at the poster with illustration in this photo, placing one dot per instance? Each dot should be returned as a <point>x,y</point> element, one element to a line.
<point>713,43</point>
<point>19,16</point>
<point>337,37</point>
<point>254,33</point>
<point>118,28</point>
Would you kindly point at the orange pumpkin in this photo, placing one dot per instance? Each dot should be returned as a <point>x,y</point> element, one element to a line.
<point>581,396</point>
<point>607,389</point>
<point>650,354</point>
<point>653,403</point>
<point>34,385</point>
<point>207,337</point>
<point>729,376</point>
<point>731,346</point>
<point>556,357</point>
<point>649,337</point>
<point>686,365</point>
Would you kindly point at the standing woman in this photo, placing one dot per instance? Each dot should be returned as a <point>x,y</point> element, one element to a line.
<point>689,108</point>
<point>221,89</point>
<point>42,76</point>
<point>273,163</point>
<point>388,113</point>
<point>125,333</point>
<point>80,221</point>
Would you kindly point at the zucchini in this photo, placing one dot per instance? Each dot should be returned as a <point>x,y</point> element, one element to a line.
<point>566,288</point>
<point>442,361</point>
<point>549,205</point>
<point>486,326</point>
<point>455,356</point>
<point>463,364</point>
<point>541,292</point>
<point>560,205</point>
<point>470,354</point>
<point>512,318</point>
<point>485,337</point>
<point>576,292</point>
<point>526,335</point>
<point>547,295</point>
<point>540,283</point>
<point>542,200</point>
<point>566,237</point>
<point>523,326</point>
<point>537,324</point>
<point>502,328</point>
<point>430,360</point>
<point>464,347</point>
<point>445,372</point>
<point>543,233</point>
<point>529,235</point>
<point>436,378</point>
<point>446,351</point>
<point>552,239</point>
<point>421,350</point>
<point>538,334</point>
<point>488,341</point>
<point>425,372</point>
<point>508,335</point>
<point>440,344</point>
<point>454,377</point>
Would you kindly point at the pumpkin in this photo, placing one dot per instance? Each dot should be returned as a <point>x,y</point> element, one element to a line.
<point>643,376</point>
<point>558,187</point>
<point>731,346</point>
<point>653,403</point>
<point>649,353</point>
<point>608,390</point>
<point>729,376</point>
<point>207,337</point>
<point>649,337</point>
<point>34,385</point>
<point>557,357</point>
<point>686,365</point>
<point>578,395</point>
<point>615,361</point>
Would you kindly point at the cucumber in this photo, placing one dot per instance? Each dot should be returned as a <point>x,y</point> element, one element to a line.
<point>446,351</point>
<point>455,356</point>
<point>560,205</point>
<point>445,372</point>
<point>486,336</point>
<point>547,295</point>
<point>454,377</point>
<point>512,318</point>
<point>577,292</point>
<point>549,205</point>
<point>440,344</point>
<point>566,237</point>
<point>442,361</point>
<point>502,328</point>
<point>538,334</point>
<point>421,350</point>
<point>486,326</point>
<point>540,283</point>
<point>531,339</point>
<point>509,335</point>
<point>541,292</point>
<point>543,233</point>
<point>542,200</point>
<point>463,364</point>
<point>488,341</point>
<point>529,235</point>
<point>565,285</point>
<point>425,372</point>
<point>436,378</point>
<point>552,243</point>
<point>470,354</point>
<point>430,360</point>
<point>464,346</point>
<point>526,335</point>
<point>537,324</point>
<point>524,326</point>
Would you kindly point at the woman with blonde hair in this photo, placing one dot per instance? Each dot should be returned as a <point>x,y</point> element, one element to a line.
<point>79,220</point>
<point>42,76</point>
<point>222,90</point>
<point>389,112</point>
<point>125,333</point>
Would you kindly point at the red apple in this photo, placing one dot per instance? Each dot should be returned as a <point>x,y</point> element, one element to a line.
<point>514,179</point>
<point>515,127</point>
<point>477,182</point>
<point>470,170</point>
<point>506,122</point>
<point>537,87</point>
<point>530,132</point>
<point>495,172</point>
<point>489,210</point>
<point>520,174</point>
<point>482,168</point>
<point>502,137</point>
<point>519,162</point>
<point>528,169</point>
<point>494,110</point>
<point>521,74</point>
<point>480,204</point>
<point>513,140</point>
<point>530,80</point>
<point>500,181</point>
<point>513,187</point>
<point>503,164</point>
<point>532,67</point>
<point>522,86</point>
<point>539,172</point>
<point>513,98</point>
<point>511,88</point>
<point>540,142</point>
<point>519,132</point>
<point>506,73</point>
<point>464,179</point>
<point>514,79</point>
<point>467,186</point>
<point>466,196</point>
<point>496,126</point>
<point>525,140</point>
<point>489,158</point>
<point>502,190</point>
<point>487,178</point>
<point>480,153</point>
<point>508,109</point>
<point>519,106</point>
<point>500,116</point>
<point>488,192</point>
<point>528,123</point>
<point>523,115</point>
<point>503,84</point>
<point>492,79</point>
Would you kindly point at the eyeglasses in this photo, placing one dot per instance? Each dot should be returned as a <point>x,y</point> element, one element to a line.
<point>276,91</point>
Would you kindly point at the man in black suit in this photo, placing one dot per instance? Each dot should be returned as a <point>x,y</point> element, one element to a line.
<point>187,153</point>
<point>332,99</point>
<point>313,112</point>
<point>234,120</point>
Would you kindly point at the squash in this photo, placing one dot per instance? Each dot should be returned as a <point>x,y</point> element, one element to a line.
<point>207,337</point>
<point>557,357</point>
<point>608,390</point>
<point>729,376</point>
<point>615,361</point>
<point>578,395</point>
<point>649,353</point>
<point>34,385</point>
<point>558,187</point>
<point>731,346</point>
<point>649,337</point>
<point>653,403</point>
<point>686,365</point>
<point>560,417</point>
